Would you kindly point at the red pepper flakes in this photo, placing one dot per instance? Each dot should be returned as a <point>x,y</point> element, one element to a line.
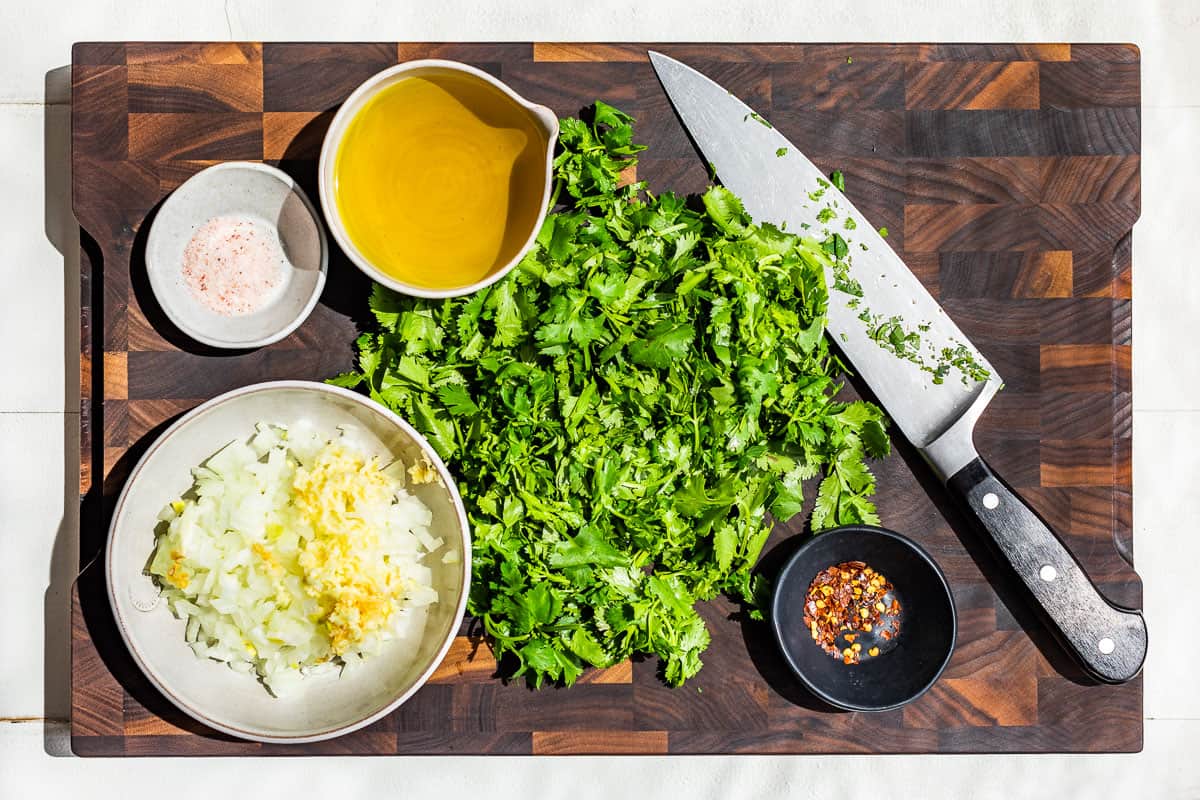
<point>846,599</point>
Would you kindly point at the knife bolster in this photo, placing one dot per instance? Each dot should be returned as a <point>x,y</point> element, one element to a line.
<point>955,448</point>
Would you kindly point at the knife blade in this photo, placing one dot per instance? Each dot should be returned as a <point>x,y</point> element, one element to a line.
<point>779,184</point>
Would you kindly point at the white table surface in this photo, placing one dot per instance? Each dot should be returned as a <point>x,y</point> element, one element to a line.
<point>39,406</point>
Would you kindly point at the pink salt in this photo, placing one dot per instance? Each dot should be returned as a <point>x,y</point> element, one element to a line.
<point>233,264</point>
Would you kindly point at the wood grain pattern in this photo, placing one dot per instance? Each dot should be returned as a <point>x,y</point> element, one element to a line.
<point>193,54</point>
<point>294,134</point>
<point>1040,132</point>
<point>549,743</point>
<point>99,98</point>
<point>1032,273</point>
<point>965,85</point>
<point>830,84</point>
<point>187,88</point>
<point>300,78</point>
<point>997,52</point>
<point>989,179</point>
<point>1077,462</point>
<point>205,135</point>
<point>1040,226</point>
<point>1087,84</point>
<point>1009,178</point>
<point>1077,367</point>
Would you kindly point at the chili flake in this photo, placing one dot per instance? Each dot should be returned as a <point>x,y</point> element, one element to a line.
<point>845,601</point>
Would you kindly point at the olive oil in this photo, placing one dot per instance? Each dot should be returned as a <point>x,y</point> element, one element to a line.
<point>440,178</point>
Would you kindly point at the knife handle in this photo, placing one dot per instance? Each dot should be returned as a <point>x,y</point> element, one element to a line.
<point>1108,641</point>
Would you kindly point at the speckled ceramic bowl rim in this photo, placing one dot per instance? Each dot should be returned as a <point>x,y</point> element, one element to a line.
<point>460,512</point>
<point>786,653</point>
<point>341,123</point>
<point>318,286</point>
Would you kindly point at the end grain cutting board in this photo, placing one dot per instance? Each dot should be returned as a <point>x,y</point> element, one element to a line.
<point>1008,176</point>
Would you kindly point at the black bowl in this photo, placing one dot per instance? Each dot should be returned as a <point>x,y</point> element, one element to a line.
<point>908,664</point>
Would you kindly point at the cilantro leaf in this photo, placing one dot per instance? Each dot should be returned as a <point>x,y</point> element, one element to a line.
<point>347,380</point>
<point>663,344</point>
<point>724,544</point>
<point>457,400</point>
<point>726,210</point>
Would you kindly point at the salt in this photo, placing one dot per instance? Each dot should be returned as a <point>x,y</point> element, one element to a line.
<point>233,265</point>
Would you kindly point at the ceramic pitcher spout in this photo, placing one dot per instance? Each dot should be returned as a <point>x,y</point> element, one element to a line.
<point>547,119</point>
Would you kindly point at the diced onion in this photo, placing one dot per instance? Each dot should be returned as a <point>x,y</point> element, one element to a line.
<point>293,554</point>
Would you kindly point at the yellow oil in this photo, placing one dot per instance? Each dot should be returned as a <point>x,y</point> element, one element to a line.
<point>439,179</point>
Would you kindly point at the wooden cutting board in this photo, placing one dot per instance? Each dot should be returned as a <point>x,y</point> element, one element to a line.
<point>1008,176</point>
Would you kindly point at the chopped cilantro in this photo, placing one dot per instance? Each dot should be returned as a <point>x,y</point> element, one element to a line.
<point>961,358</point>
<point>623,409</point>
<point>890,334</point>
<point>835,246</point>
<point>781,152</point>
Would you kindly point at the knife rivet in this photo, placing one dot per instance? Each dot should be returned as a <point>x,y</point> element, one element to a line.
<point>1106,645</point>
<point>1048,573</point>
<point>990,500</point>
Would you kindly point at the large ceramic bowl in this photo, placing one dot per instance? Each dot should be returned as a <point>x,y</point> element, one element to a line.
<point>210,691</point>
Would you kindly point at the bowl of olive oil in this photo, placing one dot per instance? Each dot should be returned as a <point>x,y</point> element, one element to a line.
<point>435,177</point>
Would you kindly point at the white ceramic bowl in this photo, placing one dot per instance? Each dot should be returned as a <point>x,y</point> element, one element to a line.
<point>543,116</point>
<point>243,189</point>
<point>321,708</point>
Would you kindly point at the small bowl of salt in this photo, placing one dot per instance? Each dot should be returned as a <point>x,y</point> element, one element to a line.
<point>236,256</point>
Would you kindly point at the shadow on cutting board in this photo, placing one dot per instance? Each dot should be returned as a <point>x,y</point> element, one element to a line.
<point>62,232</point>
<point>760,642</point>
<point>347,288</point>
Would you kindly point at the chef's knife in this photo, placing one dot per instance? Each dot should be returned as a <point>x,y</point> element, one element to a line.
<point>778,184</point>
